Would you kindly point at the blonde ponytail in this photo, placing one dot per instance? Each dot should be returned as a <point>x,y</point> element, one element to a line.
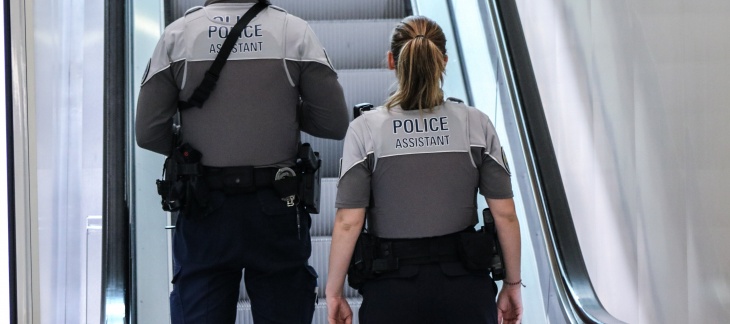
<point>419,51</point>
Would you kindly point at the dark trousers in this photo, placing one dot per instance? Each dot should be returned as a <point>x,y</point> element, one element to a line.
<point>430,293</point>
<point>255,231</point>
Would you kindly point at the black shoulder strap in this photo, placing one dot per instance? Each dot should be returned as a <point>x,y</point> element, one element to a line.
<point>202,92</point>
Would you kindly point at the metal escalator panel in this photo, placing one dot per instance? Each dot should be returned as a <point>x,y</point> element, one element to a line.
<point>579,300</point>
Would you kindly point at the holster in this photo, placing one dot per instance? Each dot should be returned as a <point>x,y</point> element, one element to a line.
<point>182,187</point>
<point>308,169</point>
<point>482,250</point>
<point>305,183</point>
<point>361,263</point>
<point>476,250</point>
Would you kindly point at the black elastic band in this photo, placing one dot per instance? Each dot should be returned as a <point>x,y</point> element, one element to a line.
<point>202,92</point>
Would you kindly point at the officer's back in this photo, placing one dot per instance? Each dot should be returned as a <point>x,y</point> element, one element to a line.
<point>276,82</point>
<point>253,116</point>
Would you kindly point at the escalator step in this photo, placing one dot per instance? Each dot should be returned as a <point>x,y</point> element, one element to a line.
<point>322,223</point>
<point>360,44</point>
<point>321,9</point>
<point>320,311</point>
<point>344,9</point>
<point>372,86</point>
<point>320,262</point>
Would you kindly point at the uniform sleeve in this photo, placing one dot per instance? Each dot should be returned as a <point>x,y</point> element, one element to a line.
<point>324,110</point>
<point>494,174</point>
<point>157,103</point>
<point>353,189</point>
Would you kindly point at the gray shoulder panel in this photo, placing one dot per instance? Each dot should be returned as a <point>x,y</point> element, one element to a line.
<point>272,34</point>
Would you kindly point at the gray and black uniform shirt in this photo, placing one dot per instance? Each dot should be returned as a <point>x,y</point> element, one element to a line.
<point>253,117</point>
<point>418,172</point>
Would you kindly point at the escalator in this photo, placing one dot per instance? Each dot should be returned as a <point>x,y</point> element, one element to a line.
<point>356,36</point>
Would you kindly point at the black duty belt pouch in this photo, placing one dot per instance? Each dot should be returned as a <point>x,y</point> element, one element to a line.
<point>481,250</point>
<point>164,187</point>
<point>476,250</point>
<point>183,187</point>
<point>361,263</point>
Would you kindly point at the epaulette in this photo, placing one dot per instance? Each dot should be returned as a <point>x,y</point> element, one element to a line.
<point>456,100</point>
<point>277,8</point>
<point>193,9</point>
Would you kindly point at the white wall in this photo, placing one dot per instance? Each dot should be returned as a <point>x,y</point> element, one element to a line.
<point>67,95</point>
<point>636,94</point>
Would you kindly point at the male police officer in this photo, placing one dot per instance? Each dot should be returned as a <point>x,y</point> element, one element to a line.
<point>276,81</point>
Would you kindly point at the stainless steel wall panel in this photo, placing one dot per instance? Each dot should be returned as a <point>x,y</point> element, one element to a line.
<point>24,162</point>
<point>64,97</point>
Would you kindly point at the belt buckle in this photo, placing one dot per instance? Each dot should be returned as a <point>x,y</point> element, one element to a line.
<point>240,180</point>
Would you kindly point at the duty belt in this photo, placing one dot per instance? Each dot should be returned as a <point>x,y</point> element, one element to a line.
<point>236,180</point>
<point>394,253</point>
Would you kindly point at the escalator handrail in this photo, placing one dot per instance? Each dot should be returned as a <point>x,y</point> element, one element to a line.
<point>115,228</point>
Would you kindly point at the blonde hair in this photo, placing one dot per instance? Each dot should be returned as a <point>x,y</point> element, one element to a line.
<point>419,50</point>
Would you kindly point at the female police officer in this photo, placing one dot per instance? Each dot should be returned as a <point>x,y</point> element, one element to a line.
<point>414,167</point>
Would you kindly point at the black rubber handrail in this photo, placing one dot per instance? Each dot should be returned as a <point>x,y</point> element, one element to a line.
<point>115,229</point>
<point>9,141</point>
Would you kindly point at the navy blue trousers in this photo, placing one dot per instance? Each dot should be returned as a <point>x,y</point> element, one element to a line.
<point>430,294</point>
<point>256,232</point>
